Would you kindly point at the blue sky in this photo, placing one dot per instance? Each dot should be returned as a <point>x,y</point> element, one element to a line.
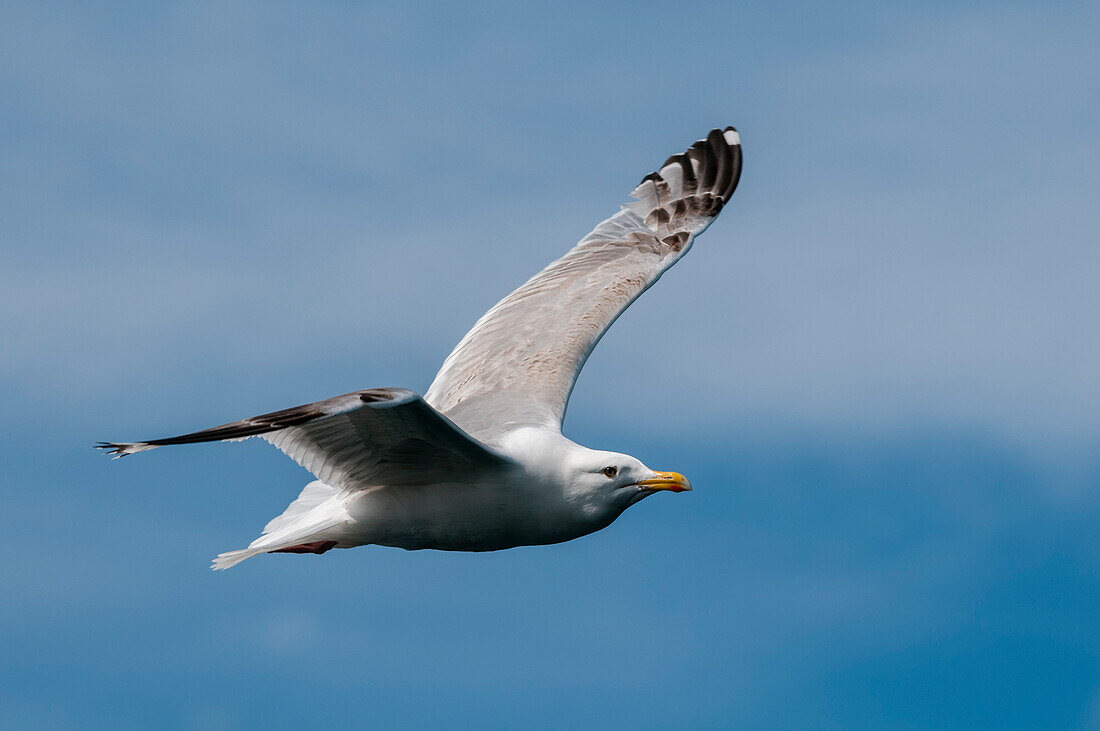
<point>878,368</point>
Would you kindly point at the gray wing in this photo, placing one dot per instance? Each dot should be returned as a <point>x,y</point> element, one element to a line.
<point>518,364</point>
<point>377,436</point>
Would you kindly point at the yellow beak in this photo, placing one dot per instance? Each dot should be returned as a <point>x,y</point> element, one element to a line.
<point>673,481</point>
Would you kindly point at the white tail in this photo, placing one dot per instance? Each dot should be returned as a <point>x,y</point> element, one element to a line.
<point>316,515</point>
<point>232,558</point>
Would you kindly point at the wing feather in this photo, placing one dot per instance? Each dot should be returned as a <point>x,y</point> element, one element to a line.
<point>518,364</point>
<point>373,437</point>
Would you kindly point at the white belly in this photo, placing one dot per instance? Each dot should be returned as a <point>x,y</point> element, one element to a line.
<point>464,517</point>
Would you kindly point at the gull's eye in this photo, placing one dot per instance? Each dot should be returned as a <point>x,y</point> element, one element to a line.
<point>610,472</point>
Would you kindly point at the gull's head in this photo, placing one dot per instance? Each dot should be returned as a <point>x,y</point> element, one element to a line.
<point>613,482</point>
<point>598,485</point>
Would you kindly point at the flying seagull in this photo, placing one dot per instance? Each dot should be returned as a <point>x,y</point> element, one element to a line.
<point>479,462</point>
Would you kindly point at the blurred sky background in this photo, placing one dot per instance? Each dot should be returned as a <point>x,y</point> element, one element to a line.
<point>879,367</point>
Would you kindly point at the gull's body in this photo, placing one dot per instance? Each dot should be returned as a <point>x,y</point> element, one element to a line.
<point>480,463</point>
<point>524,501</point>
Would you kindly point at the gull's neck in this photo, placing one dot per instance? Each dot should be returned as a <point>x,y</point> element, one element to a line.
<point>542,452</point>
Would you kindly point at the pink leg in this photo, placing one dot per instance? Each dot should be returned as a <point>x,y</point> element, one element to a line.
<point>315,547</point>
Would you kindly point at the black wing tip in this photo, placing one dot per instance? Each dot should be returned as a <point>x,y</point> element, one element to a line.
<point>681,159</point>
<point>726,144</point>
<point>719,154</point>
<point>717,139</point>
<point>117,450</point>
<point>710,170</point>
<point>276,420</point>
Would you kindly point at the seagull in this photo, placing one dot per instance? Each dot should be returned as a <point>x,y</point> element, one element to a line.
<point>479,462</point>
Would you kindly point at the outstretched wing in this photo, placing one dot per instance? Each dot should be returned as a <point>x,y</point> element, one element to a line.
<point>377,436</point>
<point>518,364</point>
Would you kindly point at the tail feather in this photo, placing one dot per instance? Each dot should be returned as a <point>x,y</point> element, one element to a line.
<point>311,496</point>
<point>230,559</point>
<point>316,515</point>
